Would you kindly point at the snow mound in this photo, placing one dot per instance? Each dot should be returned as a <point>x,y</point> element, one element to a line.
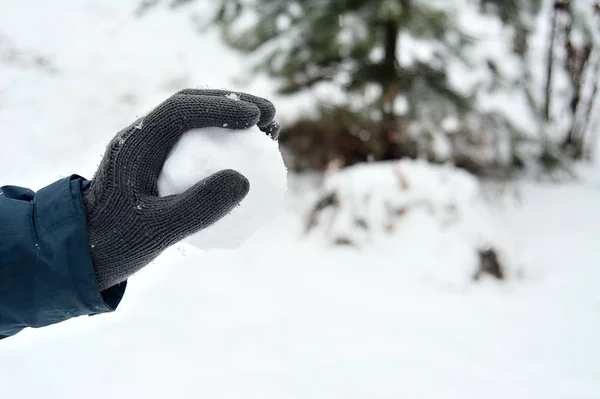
<point>200,153</point>
<point>421,206</point>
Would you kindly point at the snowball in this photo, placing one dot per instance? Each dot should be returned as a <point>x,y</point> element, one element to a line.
<point>201,152</point>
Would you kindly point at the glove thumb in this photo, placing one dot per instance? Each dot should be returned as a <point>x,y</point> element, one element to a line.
<point>200,206</point>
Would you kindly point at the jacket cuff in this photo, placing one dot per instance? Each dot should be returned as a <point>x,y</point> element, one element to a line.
<point>60,212</point>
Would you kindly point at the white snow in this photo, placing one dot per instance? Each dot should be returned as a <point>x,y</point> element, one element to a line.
<point>441,146</point>
<point>233,96</point>
<point>200,153</point>
<point>286,315</point>
<point>291,317</point>
<point>420,209</point>
<point>586,18</point>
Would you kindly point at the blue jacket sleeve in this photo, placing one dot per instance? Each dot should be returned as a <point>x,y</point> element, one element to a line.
<point>46,272</point>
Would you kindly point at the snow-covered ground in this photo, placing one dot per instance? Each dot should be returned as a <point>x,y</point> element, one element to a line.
<point>285,316</point>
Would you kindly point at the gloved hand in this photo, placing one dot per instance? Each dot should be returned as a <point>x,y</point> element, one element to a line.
<point>129,225</point>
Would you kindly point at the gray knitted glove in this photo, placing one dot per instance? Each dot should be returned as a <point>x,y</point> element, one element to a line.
<point>129,225</point>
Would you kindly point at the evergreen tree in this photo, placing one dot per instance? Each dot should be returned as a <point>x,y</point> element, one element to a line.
<point>355,42</point>
<point>403,66</point>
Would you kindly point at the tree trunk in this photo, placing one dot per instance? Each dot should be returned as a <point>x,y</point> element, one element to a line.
<point>589,127</point>
<point>590,122</point>
<point>389,143</point>
<point>550,62</point>
<point>389,75</point>
<point>577,61</point>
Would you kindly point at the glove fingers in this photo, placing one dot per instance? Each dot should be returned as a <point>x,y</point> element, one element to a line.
<point>183,112</point>
<point>161,129</point>
<point>267,109</point>
<point>272,129</point>
<point>179,216</point>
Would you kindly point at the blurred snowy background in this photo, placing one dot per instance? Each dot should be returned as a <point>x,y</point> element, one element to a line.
<point>466,269</point>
